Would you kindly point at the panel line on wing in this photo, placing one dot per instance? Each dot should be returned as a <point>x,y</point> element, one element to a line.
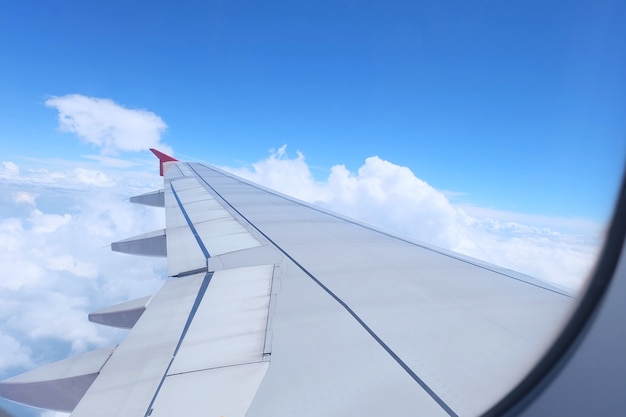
<point>192,272</point>
<point>210,368</point>
<point>192,313</point>
<point>190,223</point>
<point>396,358</point>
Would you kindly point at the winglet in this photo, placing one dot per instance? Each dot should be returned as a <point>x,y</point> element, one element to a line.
<point>162,158</point>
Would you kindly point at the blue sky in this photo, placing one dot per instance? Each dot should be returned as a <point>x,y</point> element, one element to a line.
<point>515,111</point>
<point>518,105</point>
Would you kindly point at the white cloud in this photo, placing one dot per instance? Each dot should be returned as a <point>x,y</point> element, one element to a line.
<point>107,125</point>
<point>12,353</point>
<point>15,243</point>
<point>562,258</point>
<point>48,413</point>
<point>68,263</point>
<point>77,178</point>
<point>42,223</point>
<point>9,170</point>
<point>108,161</point>
<point>92,177</point>
<point>562,223</point>
<point>58,266</point>
<point>389,195</point>
<point>289,176</point>
<point>392,197</point>
<point>23,197</point>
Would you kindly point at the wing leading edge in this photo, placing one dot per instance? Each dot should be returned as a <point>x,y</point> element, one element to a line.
<point>276,307</point>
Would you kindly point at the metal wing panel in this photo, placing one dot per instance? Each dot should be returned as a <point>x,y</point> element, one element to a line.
<point>185,253</point>
<point>198,226</point>
<point>467,332</point>
<point>206,210</point>
<point>323,363</point>
<point>226,235</point>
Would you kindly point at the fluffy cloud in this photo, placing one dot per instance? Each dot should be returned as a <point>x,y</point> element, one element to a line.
<point>47,413</point>
<point>381,193</point>
<point>74,177</point>
<point>24,197</point>
<point>12,353</point>
<point>59,268</point>
<point>289,176</point>
<point>107,125</point>
<point>92,177</point>
<point>392,197</point>
<point>9,170</point>
<point>389,195</point>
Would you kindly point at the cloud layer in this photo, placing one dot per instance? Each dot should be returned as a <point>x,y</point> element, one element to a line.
<point>54,241</point>
<point>107,125</point>
<point>392,197</point>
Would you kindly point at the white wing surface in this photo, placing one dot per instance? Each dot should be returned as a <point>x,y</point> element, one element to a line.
<point>279,308</point>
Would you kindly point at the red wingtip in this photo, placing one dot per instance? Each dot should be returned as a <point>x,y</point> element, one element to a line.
<point>162,158</point>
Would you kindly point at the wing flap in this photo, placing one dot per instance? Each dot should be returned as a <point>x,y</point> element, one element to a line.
<point>232,323</point>
<point>127,384</point>
<point>213,325</point>
<point>216,392</point>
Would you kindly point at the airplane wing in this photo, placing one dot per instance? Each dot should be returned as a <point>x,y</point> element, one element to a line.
<point>276,307</point>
